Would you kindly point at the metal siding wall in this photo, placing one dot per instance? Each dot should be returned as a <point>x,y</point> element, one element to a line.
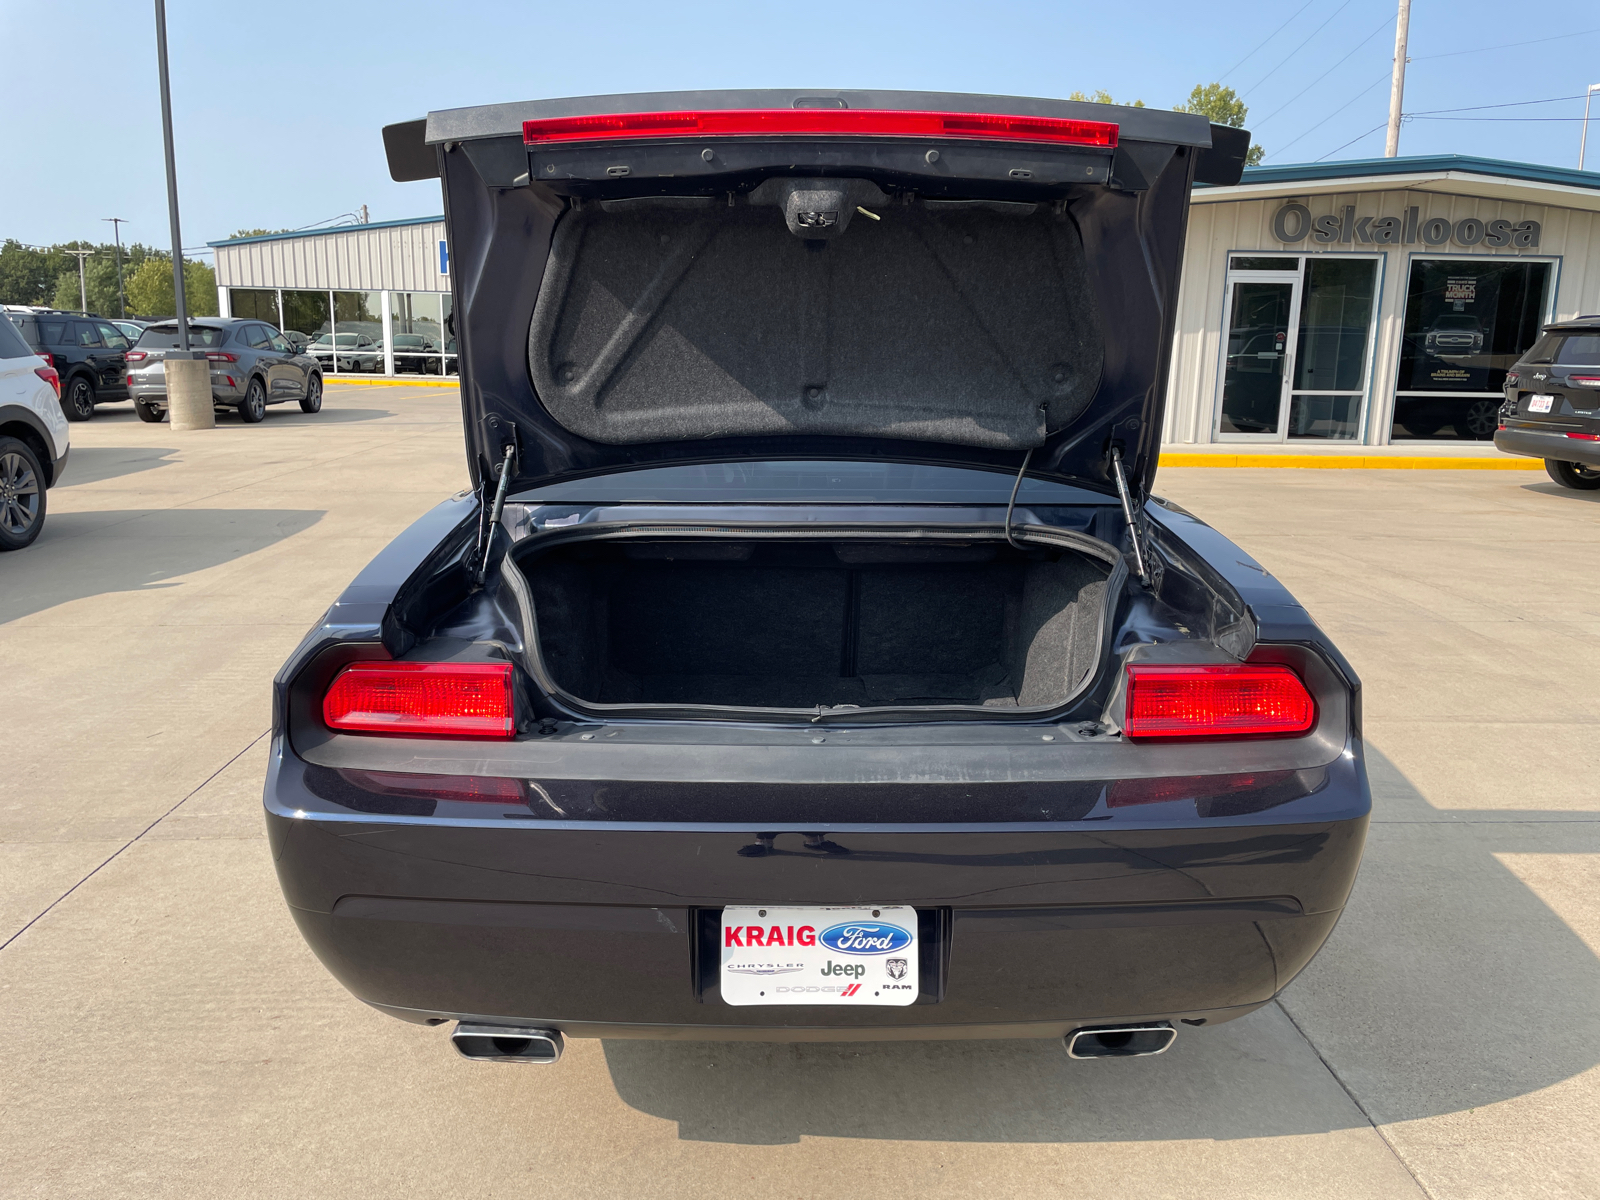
<point>397,258</point>
<point>1570,235</point>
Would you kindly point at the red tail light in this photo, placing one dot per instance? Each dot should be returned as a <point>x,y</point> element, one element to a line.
<point>819,122</point>
<point>49,359</point>
<point>1216,700</point>
<point>1588,381</point>
<point>136,355</point>
<point>50,376</point>
<point>1585,437</point>
<point>422,699</point>
<point>220,356</point>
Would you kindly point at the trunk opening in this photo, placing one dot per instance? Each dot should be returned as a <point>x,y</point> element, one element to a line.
<point>809,622</point>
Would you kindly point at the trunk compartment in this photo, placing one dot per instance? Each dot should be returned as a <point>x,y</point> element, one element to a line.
<point>816,621</point>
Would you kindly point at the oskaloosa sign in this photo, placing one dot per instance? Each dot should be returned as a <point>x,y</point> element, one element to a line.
<point>1294,222</point>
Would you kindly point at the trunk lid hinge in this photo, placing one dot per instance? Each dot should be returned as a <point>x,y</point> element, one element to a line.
<point>1135,536</point>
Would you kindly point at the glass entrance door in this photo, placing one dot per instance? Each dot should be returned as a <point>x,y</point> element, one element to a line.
<point>1263,311</point>
<point>1298,345</point>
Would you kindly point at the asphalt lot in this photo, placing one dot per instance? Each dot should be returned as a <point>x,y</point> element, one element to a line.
<point>167,1033</point>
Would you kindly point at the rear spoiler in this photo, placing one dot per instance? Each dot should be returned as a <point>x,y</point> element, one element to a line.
<point>411,158</point>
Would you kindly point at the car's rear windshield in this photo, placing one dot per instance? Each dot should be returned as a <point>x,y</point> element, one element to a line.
<point>11,343</point>
<point>810,483</point>
<point>1580,350</point>
<point>165,337</point>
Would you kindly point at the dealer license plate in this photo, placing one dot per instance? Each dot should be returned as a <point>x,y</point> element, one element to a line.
<point>790,955</point>
<point>1540,403</point>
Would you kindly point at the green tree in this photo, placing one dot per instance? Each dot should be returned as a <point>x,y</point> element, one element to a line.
<point>150,288</point>
<point>244,233</point>
<point>1101,96</point>
<point>28,274</point>
<point>1222,106</point>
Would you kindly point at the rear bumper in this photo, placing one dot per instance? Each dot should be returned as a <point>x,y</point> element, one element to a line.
<point>1537,443</point>
<point>1180,911</point>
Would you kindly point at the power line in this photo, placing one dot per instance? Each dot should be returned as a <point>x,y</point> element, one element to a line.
<point>1560,37</point>
<point>1354,140</point>
<point>1300,47</point>
<point>1337,111</point>
<point>1513,104</point>
<point>1265,40</point>
<point>1382,25</point>
<point>1508,120</point>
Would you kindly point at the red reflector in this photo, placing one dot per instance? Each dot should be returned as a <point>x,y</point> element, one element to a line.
<point>1216,700</point>
<point>471,789</point>
<point>1585,437</point>
<point>819,122</point>
<point>422,699</point>
<point>50,376</point>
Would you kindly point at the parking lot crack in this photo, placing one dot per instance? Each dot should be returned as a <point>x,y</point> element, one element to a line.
<point>1354,1099</point>
<point>42,913</point>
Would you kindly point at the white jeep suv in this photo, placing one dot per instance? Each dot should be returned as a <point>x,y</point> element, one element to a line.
<point>33,438</point>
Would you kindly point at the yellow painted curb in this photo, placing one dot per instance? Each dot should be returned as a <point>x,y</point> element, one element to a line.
<point>335,381</point>
<point>1371,462</point>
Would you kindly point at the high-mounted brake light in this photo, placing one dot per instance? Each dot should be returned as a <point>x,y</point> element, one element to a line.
<point>422,699</point>
<point>51,376</point>
<point>819,122</point>
<point>1216,700</point>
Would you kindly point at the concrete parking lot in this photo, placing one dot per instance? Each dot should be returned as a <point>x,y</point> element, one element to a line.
<point>167,1033</point>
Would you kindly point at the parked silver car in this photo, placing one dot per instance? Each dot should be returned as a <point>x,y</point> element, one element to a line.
<point>252,366</point>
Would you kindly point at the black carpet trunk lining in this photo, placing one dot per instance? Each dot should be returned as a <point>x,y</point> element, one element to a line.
<point>799,625</point>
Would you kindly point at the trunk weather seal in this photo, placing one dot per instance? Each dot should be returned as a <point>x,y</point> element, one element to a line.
<point>533,655</point>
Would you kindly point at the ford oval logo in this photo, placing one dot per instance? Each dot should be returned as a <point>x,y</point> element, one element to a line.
<point>864,937</point>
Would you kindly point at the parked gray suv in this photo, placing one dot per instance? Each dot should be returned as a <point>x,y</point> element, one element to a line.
<point>252,366</point>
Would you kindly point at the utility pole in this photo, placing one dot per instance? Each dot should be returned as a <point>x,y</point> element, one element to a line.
<point>1397,87</point>
<point>172,176</point>
<point>83,290</point>
<point>1583,138</point>
<point>116,231</point>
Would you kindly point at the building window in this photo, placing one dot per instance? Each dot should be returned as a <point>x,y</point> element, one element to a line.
<point>357,333</point>
<point>1467,321</point>
<point>419,338</point>
<point>1298,342</point>
<point>308,322</point>
<point>259,304</point>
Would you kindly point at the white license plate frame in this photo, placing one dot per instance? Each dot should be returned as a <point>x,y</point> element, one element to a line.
<point>844,955</point>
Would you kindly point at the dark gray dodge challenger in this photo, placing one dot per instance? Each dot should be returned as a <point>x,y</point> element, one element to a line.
<point>810,659</point>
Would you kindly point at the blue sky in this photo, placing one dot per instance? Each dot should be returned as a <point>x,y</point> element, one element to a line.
<point>278,106</point>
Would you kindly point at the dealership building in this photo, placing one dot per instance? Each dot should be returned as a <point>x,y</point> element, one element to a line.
<point>1368,302</point>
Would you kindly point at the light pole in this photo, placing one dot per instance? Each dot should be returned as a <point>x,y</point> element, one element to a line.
<point>1583,138</point>
<point>1397,85</point>
<point>116,231</point>
<point>172,177</point>
<point>83,290</point>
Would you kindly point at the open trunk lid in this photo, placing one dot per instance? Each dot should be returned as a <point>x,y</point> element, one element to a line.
<point>691,277</point>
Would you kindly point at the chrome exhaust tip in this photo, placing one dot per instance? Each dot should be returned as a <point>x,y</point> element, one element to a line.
<point>1120,1041</point>
<point>506,1043</point>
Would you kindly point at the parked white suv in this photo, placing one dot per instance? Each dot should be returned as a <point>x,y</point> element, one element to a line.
<point>33,438</point>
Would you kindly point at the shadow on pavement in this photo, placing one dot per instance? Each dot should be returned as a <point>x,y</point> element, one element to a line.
<point>331,414</point>
<point>1448,985</point>
<point>1566,493</point>
<point>94,553</point>
<point>92,464</point>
